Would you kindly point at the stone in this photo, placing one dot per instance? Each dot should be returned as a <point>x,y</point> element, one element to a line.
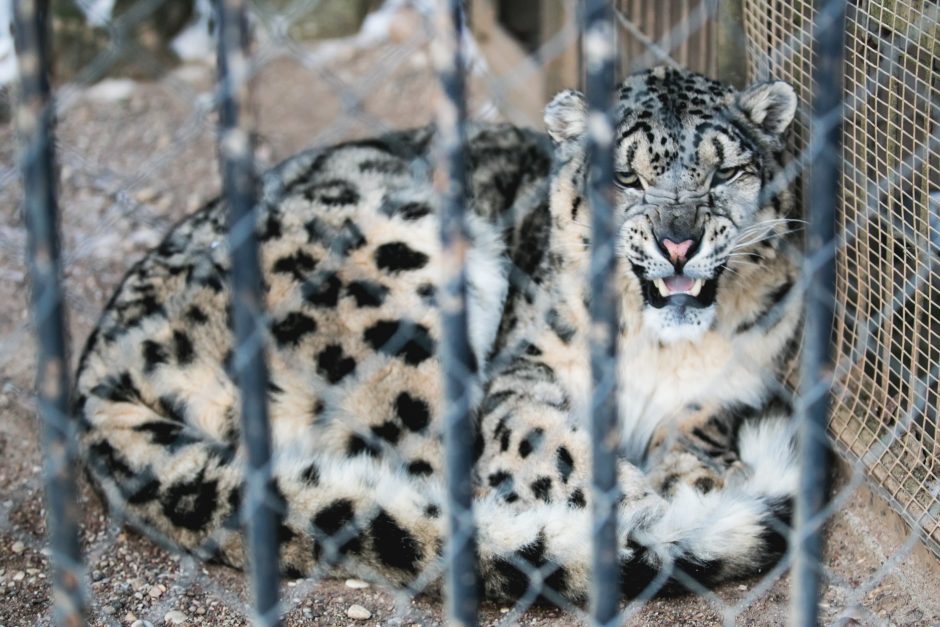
<point>357,612</point>
<point>174,617</point>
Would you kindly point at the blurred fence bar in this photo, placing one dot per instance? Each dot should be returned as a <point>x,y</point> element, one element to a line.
<point>819,270</point>
<point>35,114</point>
<point>599,61</point>
<point>239,181</point>
<point>460,375</point>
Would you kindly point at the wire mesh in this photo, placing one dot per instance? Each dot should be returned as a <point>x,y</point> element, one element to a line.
<point>885,412</point>
<point>138,156</point>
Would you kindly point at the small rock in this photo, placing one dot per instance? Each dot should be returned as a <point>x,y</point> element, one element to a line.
<point>97,575</point>
<point>174,617</point>
<point>155,592</point>
<point>18,547</point>
<point>111,90</point>
<point>109,609</point>
<point>357,612</point>
<point>141,623</point>
<point>130,617</point>
<point>19,576</point>
<point>146,194</point>
<point>742,587</point>
<point>357,584</point>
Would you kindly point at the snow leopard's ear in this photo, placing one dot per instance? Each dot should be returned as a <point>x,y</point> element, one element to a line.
<point>565,116</point>
<point>769,106</point>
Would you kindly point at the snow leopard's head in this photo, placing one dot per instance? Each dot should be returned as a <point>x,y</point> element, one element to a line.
<point>692,158</point>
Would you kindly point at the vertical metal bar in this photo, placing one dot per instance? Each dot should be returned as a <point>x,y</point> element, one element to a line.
<point>599,52</point>
<point>816,366</point>
<point>240,187</point>
<point>459,366</point>
<point>730,43</point>
<point>35,119</point>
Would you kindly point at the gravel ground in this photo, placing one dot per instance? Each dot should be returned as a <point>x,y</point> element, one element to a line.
<point>137,157</point>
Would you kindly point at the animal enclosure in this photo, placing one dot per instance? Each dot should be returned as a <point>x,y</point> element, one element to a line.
<point>412,63</point>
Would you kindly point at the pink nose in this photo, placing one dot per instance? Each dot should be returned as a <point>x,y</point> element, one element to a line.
<point>677,252</point>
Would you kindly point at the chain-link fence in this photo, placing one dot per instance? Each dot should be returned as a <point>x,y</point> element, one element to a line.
<point>130,138</point>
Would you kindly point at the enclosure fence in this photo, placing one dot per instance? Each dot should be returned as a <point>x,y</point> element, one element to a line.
<point>888,330</point>
<point>865,146</point>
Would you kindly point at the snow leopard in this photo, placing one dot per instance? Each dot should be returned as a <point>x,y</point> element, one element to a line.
<point>710,313</point>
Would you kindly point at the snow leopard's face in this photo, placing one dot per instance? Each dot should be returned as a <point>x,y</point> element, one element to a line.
<point>691,157</point>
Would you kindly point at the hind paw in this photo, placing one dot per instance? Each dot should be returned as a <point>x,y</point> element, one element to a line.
<point>679,468</point>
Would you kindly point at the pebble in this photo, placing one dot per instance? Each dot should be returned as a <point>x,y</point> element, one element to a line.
<point>111,90</point>
<point>155,592</point>
<point>19,576</point>
<point>146,194</point>
<point>18,547</point>
<point>141,623</point>
<point>357,612</point>
<point>174,617</point>
<point>357,584</point>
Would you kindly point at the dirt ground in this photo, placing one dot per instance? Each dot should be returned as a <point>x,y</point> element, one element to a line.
<point>135,158</point>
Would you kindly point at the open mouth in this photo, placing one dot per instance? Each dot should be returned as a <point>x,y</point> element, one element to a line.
<point>679,290</point>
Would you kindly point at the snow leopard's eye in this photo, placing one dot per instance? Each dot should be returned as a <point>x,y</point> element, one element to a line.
<point>726,174</point>
<point>628,180</point>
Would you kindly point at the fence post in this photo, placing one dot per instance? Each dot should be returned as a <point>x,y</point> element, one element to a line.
<point>819,271</point>
<point>599,61</point>
<point>460,375</point>
<point>35,119</point>
<point>731,43</point>
<point>240,184</point>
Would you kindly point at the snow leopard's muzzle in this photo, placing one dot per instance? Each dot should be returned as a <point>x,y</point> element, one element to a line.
<point>678,251</point>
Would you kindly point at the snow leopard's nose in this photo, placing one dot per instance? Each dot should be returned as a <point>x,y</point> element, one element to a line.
<point>677,252</point>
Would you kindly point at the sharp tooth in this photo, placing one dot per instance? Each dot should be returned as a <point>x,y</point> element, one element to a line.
<point>696,287</point>
<point>661,286</point>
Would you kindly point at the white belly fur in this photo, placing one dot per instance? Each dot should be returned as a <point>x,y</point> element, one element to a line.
<point>657,382</point>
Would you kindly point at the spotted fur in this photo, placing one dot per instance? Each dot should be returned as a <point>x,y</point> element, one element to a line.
<point>350,257</point>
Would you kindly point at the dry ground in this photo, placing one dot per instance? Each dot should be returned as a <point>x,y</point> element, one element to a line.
<point>132,165</point>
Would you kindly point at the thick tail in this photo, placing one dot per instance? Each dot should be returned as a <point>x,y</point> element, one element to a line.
<point>181,482</point>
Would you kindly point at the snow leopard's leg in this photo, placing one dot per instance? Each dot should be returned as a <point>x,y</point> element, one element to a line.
<point>701,448</point>
<point>537,454</point>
